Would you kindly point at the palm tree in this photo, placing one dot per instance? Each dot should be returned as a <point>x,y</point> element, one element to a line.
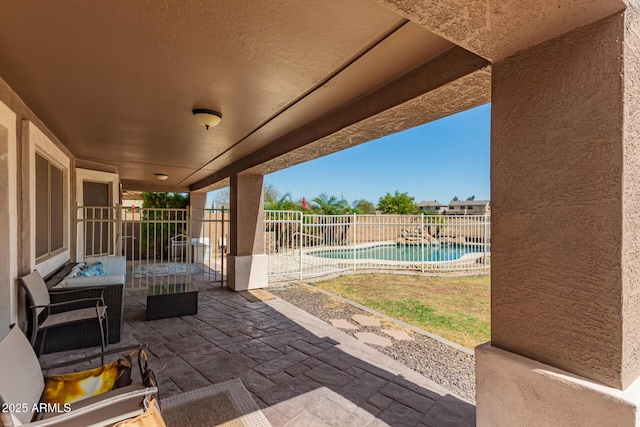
<point>283,203</point>
<point>283,232</point>
<point>330,205</point>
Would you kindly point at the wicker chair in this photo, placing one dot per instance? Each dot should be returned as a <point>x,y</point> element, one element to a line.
<point>44,314</point>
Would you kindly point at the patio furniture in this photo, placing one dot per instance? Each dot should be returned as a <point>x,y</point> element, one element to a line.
<point>200,248</point>
<point>113,283</point>
<point>172,300</point>
<point>23,385</point>
<point>46,315</point>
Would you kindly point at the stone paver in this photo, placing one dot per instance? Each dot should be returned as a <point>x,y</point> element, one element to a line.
<point>338,358</point>
<point>397,334</point>
<point>366,320</point>
<point>307,419</point>
<point>329,376</point>
<point>450,411</point>
<point>342,324</point>
<point>337,416</point>
<point>362,388</point>
<point>300,370</point>
<point>407,397</point>
<point>375,339</point>
<point>398,414</point>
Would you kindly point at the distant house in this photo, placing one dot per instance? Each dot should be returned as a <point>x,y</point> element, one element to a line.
<point>468,207</point>
<point>432,206</point>
<point>132,199</point>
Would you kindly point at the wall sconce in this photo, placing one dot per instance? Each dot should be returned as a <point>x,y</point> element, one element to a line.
<point>207,118</point>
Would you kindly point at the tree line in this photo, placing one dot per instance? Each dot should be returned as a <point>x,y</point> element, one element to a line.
<point>323,204</point>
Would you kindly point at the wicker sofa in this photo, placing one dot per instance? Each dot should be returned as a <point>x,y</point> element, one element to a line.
<point>76,336</point>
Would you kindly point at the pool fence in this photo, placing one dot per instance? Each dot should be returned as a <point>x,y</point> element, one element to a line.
<point>303,245</point>
<point>173,246</point>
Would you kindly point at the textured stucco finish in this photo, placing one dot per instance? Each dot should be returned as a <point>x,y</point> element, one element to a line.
<point>464,93</point>
<point>23,264</point>
<point>198,203</point>
<point>515,391</point>
<point>8,220</point>
<point>247,261</point>
<point>247,214</point>
<point>498,29</point>
<point>565,224</point>
<point>631,196</point>
<point>455,81</point>
<point>247,272</point>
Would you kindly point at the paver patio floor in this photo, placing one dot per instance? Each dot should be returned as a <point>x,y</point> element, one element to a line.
<point>300,370</point>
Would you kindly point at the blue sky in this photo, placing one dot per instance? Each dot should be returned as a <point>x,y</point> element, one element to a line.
<point>438,160</point>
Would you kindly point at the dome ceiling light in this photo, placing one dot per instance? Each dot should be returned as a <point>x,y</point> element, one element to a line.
<point>207,118</point>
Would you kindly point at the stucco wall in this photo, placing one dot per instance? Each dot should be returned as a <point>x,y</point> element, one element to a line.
<point>498,29</point>
<point>247,215</point>
<point>631,196</point>
<point>557,193</point>
<point>8,220</point>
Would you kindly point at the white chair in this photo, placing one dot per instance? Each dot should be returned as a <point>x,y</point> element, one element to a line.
<point>22,386</point>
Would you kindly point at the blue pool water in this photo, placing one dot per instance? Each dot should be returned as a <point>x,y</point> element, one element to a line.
<point>445,252</point>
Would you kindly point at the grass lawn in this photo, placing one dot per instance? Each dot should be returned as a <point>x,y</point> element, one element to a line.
<point>455,308</point>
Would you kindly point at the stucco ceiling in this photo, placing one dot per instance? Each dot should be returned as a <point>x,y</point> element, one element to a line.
<point>116,81</point>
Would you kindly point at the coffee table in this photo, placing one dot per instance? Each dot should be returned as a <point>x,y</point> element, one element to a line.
<point>171,300</point>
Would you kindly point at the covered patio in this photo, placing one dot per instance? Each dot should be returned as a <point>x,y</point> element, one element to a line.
<point>97,98</point>
<point>300,370</point>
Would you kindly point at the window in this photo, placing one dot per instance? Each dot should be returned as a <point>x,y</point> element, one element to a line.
<point>451,207</point>
<point>49,208</point>
<point>469,207</point>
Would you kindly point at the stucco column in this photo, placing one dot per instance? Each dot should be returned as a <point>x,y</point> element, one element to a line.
<point>197,202</point>
<point>565,193</point>
<point>247,262</point>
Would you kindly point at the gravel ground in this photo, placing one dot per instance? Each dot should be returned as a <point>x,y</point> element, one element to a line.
<point>446,365</point>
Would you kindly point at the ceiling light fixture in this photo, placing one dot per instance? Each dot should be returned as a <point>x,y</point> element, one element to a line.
<point>207,118</point>
<point>162,176</point>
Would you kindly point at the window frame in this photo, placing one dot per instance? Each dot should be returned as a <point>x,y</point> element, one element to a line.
<point>50,252</point>
<point>42,145</point>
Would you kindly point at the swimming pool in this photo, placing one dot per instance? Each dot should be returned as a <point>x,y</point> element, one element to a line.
<point>399,252</point>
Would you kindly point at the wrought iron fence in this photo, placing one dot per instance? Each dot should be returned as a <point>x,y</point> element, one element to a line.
<point>161,246</point>
<point>170,246</point>
<point>301,245</point>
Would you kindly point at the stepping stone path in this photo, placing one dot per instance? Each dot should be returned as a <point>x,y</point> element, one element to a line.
<point>366,320</point>
<point>371,338</point>
<point>342,324</point>
<point>398,335</point>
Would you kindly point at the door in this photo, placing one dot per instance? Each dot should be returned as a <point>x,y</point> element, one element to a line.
<point>98,225</point>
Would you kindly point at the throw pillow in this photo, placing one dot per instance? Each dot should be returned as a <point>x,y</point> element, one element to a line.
<point>93,270</point>
<point>75,271</point>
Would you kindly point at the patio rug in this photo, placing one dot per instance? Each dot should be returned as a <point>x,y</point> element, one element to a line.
<point>164,269</point>
<point>257,295</point>
<point>227,404</point>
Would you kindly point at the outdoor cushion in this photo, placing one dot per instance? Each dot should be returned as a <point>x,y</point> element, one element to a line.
<point>75,386</point>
